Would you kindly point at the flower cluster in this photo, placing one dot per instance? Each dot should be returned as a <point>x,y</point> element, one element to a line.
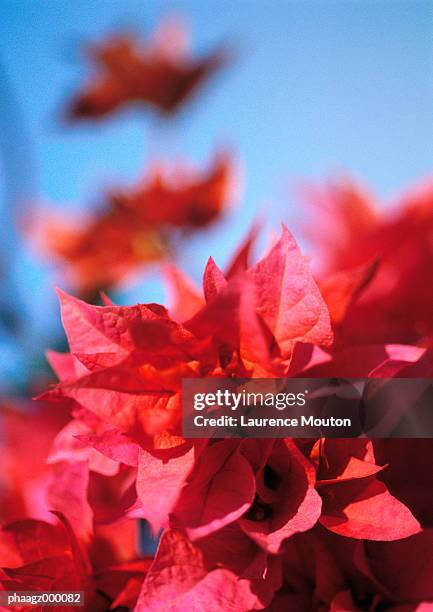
<point>247,524</point>
<point>138,225</point>
<point>98,472</point>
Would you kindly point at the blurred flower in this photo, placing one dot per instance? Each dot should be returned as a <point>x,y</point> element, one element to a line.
<point>46,467</point>
<point>180,196</point>
<point>138,225</point>
<point>26,435</point>
<point>36,550</point>
<point>396,292</point>
<point>161,73</point>
<point>39,556</point>
<point>100,251</point>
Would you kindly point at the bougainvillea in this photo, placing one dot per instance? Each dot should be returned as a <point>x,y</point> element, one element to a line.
<point>238,516</point>
<point>160,73</point>
<point>138,225</point>
<point>24,470</point>
<point>36,556</point>
<point>390,253</point>
<point>109,498</point>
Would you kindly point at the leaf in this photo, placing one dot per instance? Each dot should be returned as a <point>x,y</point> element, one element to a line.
<point>131,409</point>
<point>363,361</point>
<point>52,558</point>
<point>353,469</point>
<point>255,340</point>
<point>220,318</point>
<point>65,365</point>
<point>341,459</point>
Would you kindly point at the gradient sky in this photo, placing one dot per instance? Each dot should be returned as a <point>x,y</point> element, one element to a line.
<point>319,88</point>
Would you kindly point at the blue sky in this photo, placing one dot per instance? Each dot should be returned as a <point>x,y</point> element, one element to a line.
<point>319,88</point>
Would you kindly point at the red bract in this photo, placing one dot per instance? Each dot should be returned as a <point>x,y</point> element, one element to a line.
<point>130,360</point>
<point>138,225</point>
<point>24,474</point>
<point>180,197</point>
<point>246,524</point>
<point>396,305</point>
<point>160,479</point>
<point>66,481</point>
<point>323,571</point>
<point>50,558</point>
<point>285,502</point>
<point>219,491</point>
<point>160,73</point>
<point>38,556</point>
<point>184,577</point>
<point>356,503</point>
<point>91,479</point>
<point>99,251</point>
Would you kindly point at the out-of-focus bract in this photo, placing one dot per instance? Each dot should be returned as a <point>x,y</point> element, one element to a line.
<point>138,225</point>
<point>393,250</point>
<point>160,73</point>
